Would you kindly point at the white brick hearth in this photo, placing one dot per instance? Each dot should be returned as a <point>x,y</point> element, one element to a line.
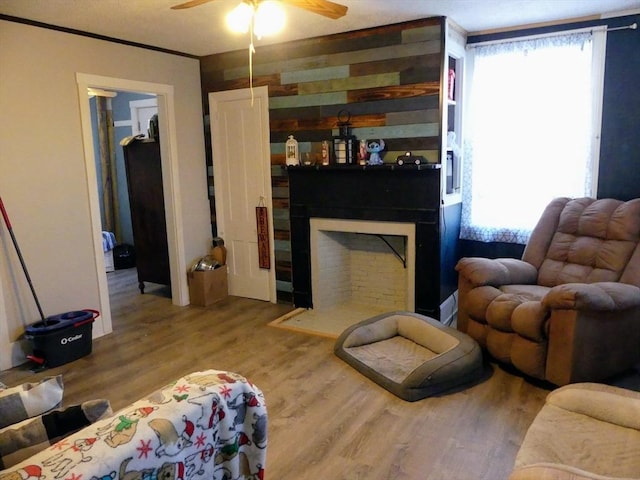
<point>352,265</point>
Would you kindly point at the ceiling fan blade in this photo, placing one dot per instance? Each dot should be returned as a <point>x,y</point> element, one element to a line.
<point>191,3</point>
<point>321,7</point>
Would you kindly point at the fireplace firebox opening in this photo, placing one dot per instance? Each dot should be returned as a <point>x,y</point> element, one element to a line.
<point>362,262</point>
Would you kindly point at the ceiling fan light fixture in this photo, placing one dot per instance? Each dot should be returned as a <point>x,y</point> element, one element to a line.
<point>269,19</point>
<point>239,19</point>
<point>266,17</point>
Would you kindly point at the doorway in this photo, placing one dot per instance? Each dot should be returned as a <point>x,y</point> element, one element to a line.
<point>118,116</point>
<point>167,125</point>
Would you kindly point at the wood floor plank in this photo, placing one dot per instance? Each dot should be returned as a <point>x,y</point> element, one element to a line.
<point>325,419</point>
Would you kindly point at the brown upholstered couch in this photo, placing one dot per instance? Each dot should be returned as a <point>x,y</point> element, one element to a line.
<point>569,310</point>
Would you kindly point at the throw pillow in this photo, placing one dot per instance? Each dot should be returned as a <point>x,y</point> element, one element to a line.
<point>30,399</point>
<point>21,441</point>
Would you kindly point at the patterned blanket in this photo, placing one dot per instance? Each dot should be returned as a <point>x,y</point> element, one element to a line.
<point>206,425</point>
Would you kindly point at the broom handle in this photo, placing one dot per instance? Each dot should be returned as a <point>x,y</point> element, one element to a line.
<point>24,266</point>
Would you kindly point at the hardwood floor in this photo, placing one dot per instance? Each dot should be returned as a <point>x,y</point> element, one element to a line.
<point>326,421</point>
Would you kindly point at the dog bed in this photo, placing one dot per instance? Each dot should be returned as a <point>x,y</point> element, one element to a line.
<point>411,355</point>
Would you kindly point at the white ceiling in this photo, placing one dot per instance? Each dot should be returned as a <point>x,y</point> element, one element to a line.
<point>201,30</point>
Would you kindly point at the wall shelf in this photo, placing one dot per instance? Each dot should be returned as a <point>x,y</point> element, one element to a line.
<point>386,167</point>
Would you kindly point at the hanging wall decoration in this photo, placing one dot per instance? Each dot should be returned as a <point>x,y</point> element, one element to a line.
<point>262,224</point>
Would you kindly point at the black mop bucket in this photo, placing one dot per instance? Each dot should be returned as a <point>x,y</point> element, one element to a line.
<point>62,338</point>
<point>57,339</point>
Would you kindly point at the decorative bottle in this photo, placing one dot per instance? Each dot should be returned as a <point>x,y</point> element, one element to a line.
<point>325,152</point>
<point>451,84</point>
<point>362,153</point>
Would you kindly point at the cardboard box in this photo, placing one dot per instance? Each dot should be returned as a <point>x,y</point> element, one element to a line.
<point>207,287</point>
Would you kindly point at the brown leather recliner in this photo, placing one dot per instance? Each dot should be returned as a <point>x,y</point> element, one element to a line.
<point>569,310</point>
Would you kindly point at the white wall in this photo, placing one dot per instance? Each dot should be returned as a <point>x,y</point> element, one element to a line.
<point>43,179</point>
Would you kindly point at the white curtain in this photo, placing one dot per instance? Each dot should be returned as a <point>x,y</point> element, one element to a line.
<point>530,132</point>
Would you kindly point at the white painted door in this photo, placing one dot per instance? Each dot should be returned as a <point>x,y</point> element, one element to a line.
<point>141,112</point>
<point>242,177</point>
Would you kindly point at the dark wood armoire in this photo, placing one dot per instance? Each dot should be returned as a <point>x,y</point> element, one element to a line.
<point>146,198</point>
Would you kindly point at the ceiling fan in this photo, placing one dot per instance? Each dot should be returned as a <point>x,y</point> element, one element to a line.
<point>321,7</point>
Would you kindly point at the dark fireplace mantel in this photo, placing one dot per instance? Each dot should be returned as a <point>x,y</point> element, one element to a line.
<point>409,194</point>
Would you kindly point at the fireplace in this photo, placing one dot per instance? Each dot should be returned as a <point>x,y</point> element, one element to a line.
<point>362,262</point>
<point>402,203</point>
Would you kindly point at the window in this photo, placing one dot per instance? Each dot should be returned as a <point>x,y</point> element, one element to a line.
<point>532,131</point>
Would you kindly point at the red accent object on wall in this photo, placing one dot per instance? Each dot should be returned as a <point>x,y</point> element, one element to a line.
<point>451,84</point>
<point>262,223</point>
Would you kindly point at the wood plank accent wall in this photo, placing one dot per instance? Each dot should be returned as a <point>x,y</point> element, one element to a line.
<point>387,78</point>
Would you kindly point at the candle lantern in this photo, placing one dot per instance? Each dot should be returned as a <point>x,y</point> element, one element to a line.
<point>345,145</point>
<point>292,155</point>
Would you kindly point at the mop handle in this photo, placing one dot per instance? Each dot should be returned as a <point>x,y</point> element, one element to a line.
<point>4,215</point>
<point>24,266</point>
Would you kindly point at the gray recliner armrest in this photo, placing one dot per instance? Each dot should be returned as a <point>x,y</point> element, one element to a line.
<point>600,296</point>
<point>497,272</point>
